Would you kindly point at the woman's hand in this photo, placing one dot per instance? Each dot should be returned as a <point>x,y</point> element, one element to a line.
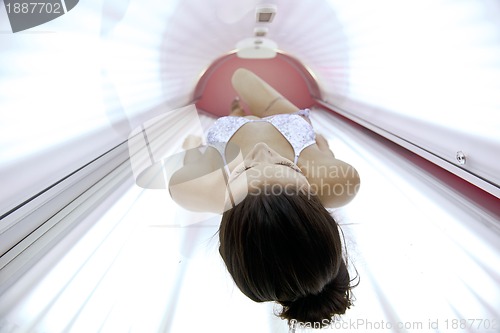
<point>191,141</point>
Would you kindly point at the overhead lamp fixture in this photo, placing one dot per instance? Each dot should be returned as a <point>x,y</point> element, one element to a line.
<point>265,13</point>
<point>256,48</point>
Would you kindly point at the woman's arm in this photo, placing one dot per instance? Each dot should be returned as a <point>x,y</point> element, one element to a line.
<point>323,144</point>
<point>205,192</point>
<point>335,182</point>
<point>191,142</point>
<point>199,184</point>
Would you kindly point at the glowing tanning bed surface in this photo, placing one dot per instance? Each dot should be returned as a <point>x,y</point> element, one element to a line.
<point>427,257</point>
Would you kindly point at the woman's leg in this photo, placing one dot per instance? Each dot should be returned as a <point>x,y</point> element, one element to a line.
<point>262,99</point>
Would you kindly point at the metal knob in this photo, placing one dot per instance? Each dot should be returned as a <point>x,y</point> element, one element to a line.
<point>461,158</point>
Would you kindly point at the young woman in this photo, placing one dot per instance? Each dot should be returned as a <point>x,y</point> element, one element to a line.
<point>271,176</point>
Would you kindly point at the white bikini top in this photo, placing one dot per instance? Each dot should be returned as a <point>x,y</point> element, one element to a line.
<point>298,132</point>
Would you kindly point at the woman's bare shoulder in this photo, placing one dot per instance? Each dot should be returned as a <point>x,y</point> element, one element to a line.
<point>204,164</point>
<point>334,181</point>
<point>199,186</point>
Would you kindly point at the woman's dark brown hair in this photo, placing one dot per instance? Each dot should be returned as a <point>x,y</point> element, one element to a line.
<point>287,248</point>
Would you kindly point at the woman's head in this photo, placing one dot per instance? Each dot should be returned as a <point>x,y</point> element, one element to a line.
<point>287,248</point>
